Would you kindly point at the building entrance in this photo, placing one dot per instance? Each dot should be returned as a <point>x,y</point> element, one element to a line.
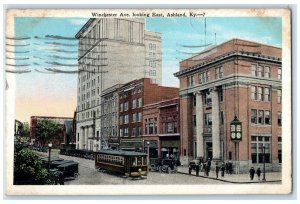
<point>209,153</point>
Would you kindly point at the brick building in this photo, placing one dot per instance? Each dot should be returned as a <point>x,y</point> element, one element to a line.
<point>109,134</point>
<point>237,78</point>
<point>132,97</point>
<point>65,124</point>
<point>161,124</point>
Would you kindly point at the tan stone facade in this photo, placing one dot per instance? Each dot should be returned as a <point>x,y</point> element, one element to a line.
<point>237,78</point>
<point>111,51</point>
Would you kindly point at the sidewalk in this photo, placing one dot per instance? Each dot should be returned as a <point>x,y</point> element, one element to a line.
<point>234,178</point>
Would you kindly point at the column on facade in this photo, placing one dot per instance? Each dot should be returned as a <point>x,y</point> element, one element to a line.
<point>216,124</point>
<point>86,137</point>
<point>199,125</point>
<point>82,137</point>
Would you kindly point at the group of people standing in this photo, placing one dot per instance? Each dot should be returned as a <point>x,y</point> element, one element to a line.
<point>224,167</point>
<point>252,173</point>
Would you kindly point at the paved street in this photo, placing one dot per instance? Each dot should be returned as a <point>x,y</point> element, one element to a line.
<point>90,176</point>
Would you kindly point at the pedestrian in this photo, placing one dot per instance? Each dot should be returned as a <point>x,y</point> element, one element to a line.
<point>209,162</point>
<point>252,172</point>
<point>222,169</point>
<point>217,170</point>
<point>197,170</point>
<point>230,167</point>
<point>258,172</point>
<point>227,167</point>
<point>207,169</point>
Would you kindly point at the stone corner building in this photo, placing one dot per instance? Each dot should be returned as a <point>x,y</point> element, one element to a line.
<point>236,78</point>
<point>111,51</point>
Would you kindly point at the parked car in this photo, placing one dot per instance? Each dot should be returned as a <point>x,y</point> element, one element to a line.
<point>195,164</point>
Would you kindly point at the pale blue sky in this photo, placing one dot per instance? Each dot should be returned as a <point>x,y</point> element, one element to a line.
<point>175,32</point>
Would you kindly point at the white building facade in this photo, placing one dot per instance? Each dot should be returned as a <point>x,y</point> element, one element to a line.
<point>111,51</point>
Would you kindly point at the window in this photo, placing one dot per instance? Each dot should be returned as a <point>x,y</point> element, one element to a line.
<point>260,149</point>
<point>201,78</point>
<point>207,76</point>
<point>134,131</point>
<point>152,73</point>
<point>121,120</point>
<point>279,96</point>
<point>279,119</point>
<point>261,117</point>
<point>219,72</point>
<point>190,80</point>
<point>121,132</point>
<point>267,96</point>
<point>126,106</point>
<point>194,100</point>
<point>267,72</point>
<point>208,98</point>
<point>134,104</point>
<point>139,117</point>
<point>140,102</point>
<point>260,93</point>
<point>254,70</point>
<point>134,117</point>
<point>194,120</point>
<point>208,119</point>
<point>253,93</point>
<point>260,71</point>
<point>126,119</point>
<point>267,118</point>
<point>254,116</point>
<point>125,132</point>
<point>121,107</point>
<point>169,127</point>
<point>279,73</point>
<point>140,130</point>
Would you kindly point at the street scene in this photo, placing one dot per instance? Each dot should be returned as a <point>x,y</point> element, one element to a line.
<point>90,176</point>
<point>145,101</point>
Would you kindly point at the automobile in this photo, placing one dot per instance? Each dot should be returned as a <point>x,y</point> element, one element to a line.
<point>195,164</point>
<point>168,166</point>
<point>69,169</point>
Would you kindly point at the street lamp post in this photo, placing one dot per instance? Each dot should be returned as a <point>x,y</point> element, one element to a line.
<point>264,170</point>
<point>236,137</point>
<point>148,153</point>
<point>50,146</point>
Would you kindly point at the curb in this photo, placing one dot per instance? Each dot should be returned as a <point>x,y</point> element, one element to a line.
<point>236,182</point>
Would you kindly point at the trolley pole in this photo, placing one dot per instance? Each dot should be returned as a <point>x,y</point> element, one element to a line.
<point>50,146</point>
<point>148,154</point>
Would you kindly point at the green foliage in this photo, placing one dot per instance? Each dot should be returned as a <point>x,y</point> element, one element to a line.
<point>47,130</point>
<point>28,169</point>
<point>26,131</point>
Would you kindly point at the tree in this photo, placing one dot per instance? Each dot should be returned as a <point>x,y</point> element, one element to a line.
<point>47,130</point>
<point>26,130</point>
<point>28,169</point>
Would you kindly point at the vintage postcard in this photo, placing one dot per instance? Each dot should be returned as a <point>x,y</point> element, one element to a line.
<point>148,101</point>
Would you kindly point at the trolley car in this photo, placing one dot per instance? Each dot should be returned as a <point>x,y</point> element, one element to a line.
<point>128,163</point>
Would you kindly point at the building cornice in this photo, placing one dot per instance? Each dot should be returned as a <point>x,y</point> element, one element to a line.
<point>228,55</point>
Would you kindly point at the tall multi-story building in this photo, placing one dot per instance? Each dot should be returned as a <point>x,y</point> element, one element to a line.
<point>132,97</point>
<point>237,78</point>
<point>111,51</point>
